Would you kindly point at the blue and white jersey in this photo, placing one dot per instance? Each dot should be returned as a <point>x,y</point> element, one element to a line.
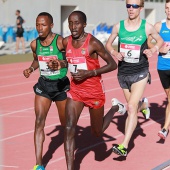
<point>164,59</point>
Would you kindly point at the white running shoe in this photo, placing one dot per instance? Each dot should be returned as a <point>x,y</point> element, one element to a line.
<point>163,133</point>
<point>122,107</point>
<point>146,112</point>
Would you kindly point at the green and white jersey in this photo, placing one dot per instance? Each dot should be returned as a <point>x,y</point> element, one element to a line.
<point>44,54</point>
<point>132,44</point>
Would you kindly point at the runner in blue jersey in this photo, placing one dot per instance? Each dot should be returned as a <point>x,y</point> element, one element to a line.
<point>163,64</point>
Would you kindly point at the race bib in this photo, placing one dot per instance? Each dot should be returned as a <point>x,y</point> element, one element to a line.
<point>44,70</point>
<point>76,63</point>
<point>167,55</point>
<point>131,51</point>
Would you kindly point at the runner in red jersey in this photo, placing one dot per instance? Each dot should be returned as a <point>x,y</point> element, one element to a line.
<point>82,52</point>
<point>89,91</point>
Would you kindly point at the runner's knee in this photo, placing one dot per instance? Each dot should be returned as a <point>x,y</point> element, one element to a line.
<point>39,122</point>
<point>131,108</point>
<point>70,132</point>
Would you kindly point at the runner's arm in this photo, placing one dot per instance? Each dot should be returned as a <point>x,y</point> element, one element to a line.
<point>96,49</point>
<point>110,41</point>
<point>55,64</point>
<point>153,33</point>
<point>34,64</point>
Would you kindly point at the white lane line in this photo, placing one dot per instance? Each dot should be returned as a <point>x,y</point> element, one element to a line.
<point>17,111</point>
<point>5,166</point>
<point>25,133</point>
<point>163,166</point>
<point>21,94</point>
<point>31,131</point>
<point>16,95</point>
<point>17,84</point>
<point>16,75</point>
<point>83,116</point>
<point>105,141</point>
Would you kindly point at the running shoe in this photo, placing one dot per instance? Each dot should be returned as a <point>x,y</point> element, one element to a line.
<point>119,150</point>
<point>122,107</point>
<point>163,133</point>
<point>146,112</point>
<point>39,167</point>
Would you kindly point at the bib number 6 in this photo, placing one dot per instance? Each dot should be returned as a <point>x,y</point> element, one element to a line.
<point>129,54</point>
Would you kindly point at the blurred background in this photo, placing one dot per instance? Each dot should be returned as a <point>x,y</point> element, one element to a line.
<point>101,16</point>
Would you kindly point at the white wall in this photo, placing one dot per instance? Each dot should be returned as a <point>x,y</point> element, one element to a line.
<point>97,11</point>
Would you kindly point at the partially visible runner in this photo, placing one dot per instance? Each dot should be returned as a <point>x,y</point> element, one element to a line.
<point>133,66</point>
<point>19,32</point>
<point>163,64</point>
<point>86,88</point>
<point>52,85</point>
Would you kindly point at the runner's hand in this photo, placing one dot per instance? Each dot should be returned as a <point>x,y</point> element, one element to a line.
<point>27,72</point>
<point>148,52</point>
<point>165,48</point>
<point>54,64</point>
<point>120,56</point>
<point>82,74</point>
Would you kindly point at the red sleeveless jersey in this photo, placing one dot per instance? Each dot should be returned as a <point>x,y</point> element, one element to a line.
<point>79,58</point>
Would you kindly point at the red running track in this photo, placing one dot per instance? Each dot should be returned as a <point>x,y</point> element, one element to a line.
<point>17,118</point>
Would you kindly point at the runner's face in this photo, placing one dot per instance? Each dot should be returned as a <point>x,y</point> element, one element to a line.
<point>167,10</point>
<point>133,12</point>
<point>76,25</point>
<point>43,26</point>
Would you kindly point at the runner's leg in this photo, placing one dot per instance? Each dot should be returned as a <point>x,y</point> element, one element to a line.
<point>137,90</point>
<point>73,111</point>
<point>167,113</point>
<point>61,111</point>
<point>42,106</point>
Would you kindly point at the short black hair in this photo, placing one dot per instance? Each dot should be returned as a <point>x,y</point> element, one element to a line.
<point>18,11</point>
<point>46,14</point>
<point>82,15</point>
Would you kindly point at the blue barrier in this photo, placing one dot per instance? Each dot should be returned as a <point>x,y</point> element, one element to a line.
<point>109,29</point>
<point>8,34</point>
<point>1,34</point>
<point>102,28</point>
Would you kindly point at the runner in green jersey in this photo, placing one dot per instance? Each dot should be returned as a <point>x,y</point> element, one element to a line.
<point>133,67</point>
<point>52,85</point>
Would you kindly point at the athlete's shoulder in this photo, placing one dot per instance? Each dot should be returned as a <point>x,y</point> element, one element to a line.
<point>65,41</point>
<point>93,39</point>
<point>33,45</point>
<point>94,42</point>
<point>59,37</point>
<point>149,26</point>
<point>158,26</point>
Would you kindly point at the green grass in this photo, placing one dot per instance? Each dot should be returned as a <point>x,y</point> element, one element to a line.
<point>7,59</point>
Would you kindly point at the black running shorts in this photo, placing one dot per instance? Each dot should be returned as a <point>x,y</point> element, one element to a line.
<point>164,76</point>
<point>54,90</point>
<point>20,32</point>
<point>126,81</point>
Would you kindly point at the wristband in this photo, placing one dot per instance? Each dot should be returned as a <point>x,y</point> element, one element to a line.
<point>32,69</point>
